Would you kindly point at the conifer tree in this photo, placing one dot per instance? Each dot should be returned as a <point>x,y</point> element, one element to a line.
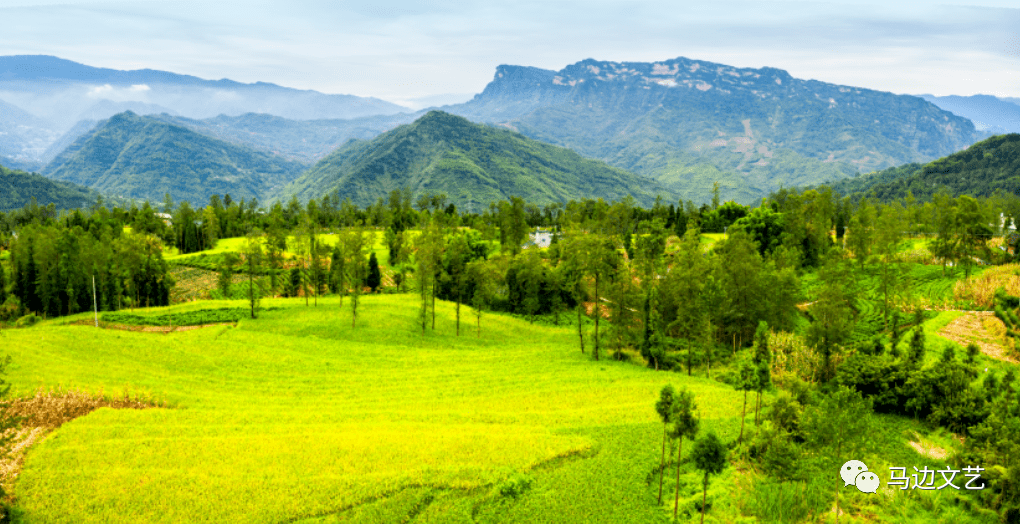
<point>374,278</point>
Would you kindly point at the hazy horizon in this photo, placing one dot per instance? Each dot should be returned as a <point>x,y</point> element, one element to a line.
<point>402,51</point>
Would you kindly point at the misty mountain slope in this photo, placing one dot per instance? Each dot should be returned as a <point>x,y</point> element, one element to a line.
<point>472,164</point>
<point>23,136</point>
<point>987,112</point>
<point>60,145</point>
<point>687,123</point>
<point>140,157</point>
<point>61,90</point>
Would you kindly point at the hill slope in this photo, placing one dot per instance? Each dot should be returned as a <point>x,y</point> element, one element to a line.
<point>473,164</point>
<point>301,140</point>
<point>982,169</point>
<point>688,123</point>
<point>143,158</point>
<point>17,188</point>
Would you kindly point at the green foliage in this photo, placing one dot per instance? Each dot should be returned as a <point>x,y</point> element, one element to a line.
<point>472,164</point>
<point>980,170</point>
<point>374,278</point>
<point>19,189</point>
<point>144,158</point>
<point>189,318</point>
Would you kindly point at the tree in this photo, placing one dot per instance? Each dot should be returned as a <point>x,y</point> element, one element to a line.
<point>227,264</point>
<point>833,313</point>
<point>685,424</point>
<point>253,267</point>
<point>374,278</point>
<point>973,232</point>
<point>650,248</point>
<point>862,231</point>
<point>944,223</point>
<point>664,407</point>
<point>748,381</point>
<point>687,285</point>
<point>355,267</point>
<point>841,420</point>
<point>3,285</point>
<point>892,276</point>
<point>762,364</point>
<point>917,351</point>
<point>710,457</point>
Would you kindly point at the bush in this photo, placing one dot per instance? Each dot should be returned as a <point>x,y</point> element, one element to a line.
<point>515,486</point>
<point>27,320</point>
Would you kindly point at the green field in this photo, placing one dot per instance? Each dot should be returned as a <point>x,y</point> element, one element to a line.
<point>296,417</point>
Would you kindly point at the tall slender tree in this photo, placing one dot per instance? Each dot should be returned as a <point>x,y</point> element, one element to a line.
<point>664,407</point>
<point>253,259</point>
<point>685,424</point>
<point>710,457</point>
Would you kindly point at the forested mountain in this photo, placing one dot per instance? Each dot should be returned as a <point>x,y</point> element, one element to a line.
<point>688,123</point>
<point>472,164</point>
<point>980,170</point>
<point>140,157</point>
<point>987,112</point>
<point>18,188</point>
<point>301,140</point>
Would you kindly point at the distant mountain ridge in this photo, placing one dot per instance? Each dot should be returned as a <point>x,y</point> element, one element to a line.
<point>139,157</point>
<point>688,123</point>
<point>59,93</point>
<point>988,113</point>
<point>472,164</point>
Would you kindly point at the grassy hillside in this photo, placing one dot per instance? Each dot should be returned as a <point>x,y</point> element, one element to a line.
<point>144,158</point>
<point>296,417</point>
<point>473,164</point>
<point>18,188</point>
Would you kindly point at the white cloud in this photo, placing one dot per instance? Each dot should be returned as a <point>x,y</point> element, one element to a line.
<point>135,93</point>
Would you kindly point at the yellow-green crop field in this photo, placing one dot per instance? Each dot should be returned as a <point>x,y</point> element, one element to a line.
<point>297,418</point>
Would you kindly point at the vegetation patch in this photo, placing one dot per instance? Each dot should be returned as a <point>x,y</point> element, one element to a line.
<point>980,289</point>
<point>46,411</point>
<point>188,318</point>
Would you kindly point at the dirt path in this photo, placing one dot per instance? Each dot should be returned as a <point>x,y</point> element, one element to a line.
<point>970,327</point>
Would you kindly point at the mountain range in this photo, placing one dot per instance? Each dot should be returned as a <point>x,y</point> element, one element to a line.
<point>58,93</point>
<point>685,124</point>
<point>472,164</point>
<point>139,157</point>
<point>988,113</point>
<point>688,123</point>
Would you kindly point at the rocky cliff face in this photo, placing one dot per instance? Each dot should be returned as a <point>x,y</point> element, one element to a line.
<point>688,122</point>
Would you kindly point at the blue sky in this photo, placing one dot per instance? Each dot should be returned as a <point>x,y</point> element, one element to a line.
<point>400,50</point>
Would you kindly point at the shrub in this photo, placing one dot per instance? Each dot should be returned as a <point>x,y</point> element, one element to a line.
<point>515,486</point>
<point>27,320</point>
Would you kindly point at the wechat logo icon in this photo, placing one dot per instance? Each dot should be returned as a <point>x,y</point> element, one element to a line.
<point>856,472</point>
